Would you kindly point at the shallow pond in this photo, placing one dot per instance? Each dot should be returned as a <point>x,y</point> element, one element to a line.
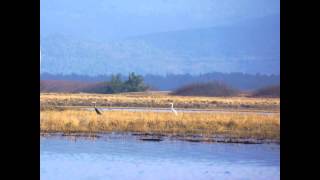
<point>124,157</point>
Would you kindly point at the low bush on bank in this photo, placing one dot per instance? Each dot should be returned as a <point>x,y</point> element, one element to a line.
<point>269,91</point>
<point>214,89</point>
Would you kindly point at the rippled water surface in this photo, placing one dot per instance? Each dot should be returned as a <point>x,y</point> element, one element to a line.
<point>124,157</point>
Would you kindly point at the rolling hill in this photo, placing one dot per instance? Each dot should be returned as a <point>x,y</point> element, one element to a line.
<point>251,46</point>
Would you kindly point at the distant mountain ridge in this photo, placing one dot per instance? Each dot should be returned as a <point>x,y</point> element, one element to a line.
<point>249,47</point>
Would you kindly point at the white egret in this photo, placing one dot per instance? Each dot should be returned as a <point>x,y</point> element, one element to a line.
<point>173,110</point>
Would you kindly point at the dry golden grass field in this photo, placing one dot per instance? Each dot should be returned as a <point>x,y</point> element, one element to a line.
<point>232,124</point>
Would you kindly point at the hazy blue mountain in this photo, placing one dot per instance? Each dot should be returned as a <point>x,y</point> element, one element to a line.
<point>102,20</point>
<point>250,46</point>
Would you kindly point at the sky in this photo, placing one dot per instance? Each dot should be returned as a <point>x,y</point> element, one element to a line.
<point>109,20</point>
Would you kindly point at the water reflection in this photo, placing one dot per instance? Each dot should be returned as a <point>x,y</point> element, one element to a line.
<point>124,157</point>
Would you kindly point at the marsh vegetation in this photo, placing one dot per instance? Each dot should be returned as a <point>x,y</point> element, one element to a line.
<point>158,100</point>
<point>231,124</point>
<point>61,113</point>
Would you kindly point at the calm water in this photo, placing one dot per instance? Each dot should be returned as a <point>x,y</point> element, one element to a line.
<point>159,110</point>
<point>123,157</point>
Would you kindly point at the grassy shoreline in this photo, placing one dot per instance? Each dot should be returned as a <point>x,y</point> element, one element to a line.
<point>235,125</point>
<point>157,100</point>
<point>156,137</point>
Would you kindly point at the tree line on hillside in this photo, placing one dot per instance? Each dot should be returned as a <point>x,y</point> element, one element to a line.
<point>135,83</point>
<point>116,84</point>
<point>171,82</point>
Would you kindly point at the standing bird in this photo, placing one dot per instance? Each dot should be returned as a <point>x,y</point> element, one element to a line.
<point>173,110</point>
<point>96,109</point>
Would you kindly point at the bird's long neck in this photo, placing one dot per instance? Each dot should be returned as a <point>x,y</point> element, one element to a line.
<point>172,106</point>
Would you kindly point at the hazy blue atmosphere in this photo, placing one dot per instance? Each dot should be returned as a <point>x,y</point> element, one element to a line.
<point>94,37</point>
